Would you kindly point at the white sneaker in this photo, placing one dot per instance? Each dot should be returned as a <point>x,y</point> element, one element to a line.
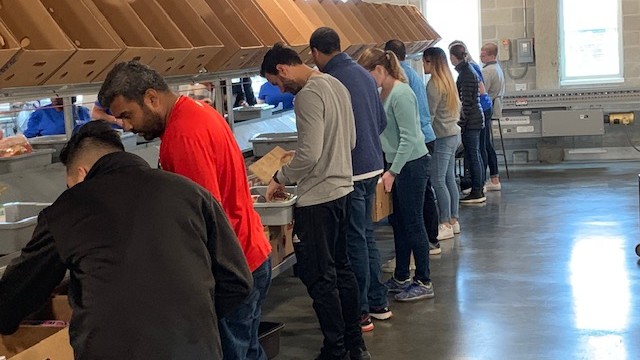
<point>489,186</point>
<point>390,266</point>
<point>456,227</point>
<point>445,232</point>
<point>466,191</point>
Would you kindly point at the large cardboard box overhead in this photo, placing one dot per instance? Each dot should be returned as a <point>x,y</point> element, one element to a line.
<point>9,46</point>
<point>421,22</point>
<point>369,38</point>
<point>346,26</point>
<point>125,27</point>
<point>375,18</point>
<point>240,44</point>
<point>291,23</point>
<point>236,23</point>
<point>96,48</point>
<point>204,41</point>
<point>374,29</point>
<point>390,18</point>
<point>175,44</point>
<point>45,47</point>
<point>258,21</point>
<point>319,18</point>
<point>356,43</point>
<point>419,43</point>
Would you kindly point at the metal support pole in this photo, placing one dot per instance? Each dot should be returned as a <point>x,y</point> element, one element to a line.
<point>217,97</point>
<point>230,100</point>
<point>69,120</point>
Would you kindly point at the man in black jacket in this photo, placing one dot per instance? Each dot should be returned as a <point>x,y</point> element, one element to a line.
<point>152,259</point>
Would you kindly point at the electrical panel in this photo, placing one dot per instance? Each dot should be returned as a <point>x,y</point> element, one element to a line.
<point>504,50</point>
<point>524,53</point>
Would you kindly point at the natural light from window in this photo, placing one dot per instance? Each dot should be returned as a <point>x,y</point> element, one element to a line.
<point>590,41</point>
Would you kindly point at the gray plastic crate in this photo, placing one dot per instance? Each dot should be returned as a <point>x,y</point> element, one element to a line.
<point>17,228</point>
<point>38,158</point>
<point>55,142</point>
<point>129,140</point>
<point>263,143</point>
<point>275,213</point>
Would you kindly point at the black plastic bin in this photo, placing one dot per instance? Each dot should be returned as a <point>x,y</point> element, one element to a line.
<point>269,337</point>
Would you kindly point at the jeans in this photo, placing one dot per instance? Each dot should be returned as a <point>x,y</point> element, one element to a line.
<point>487,151</point>
<point>239,330</point>
<point>429,208</point>
<point>409,234</point>
<point>362,248</point>
<point>320,244</point>
<point>471,142</point>
<point>444,179</point>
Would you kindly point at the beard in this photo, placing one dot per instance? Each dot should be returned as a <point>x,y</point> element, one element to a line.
<point>153,125</point>
<point>291,86</point>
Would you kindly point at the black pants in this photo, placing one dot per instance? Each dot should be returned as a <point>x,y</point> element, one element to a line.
<point>430,209</point>
<point>323,267</point>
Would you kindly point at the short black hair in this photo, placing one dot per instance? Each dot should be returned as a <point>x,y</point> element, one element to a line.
<point>326,40</point>
<point>97,134</point>
<point>131,80</point>
<point>279,54</point>
<point>397,47</point>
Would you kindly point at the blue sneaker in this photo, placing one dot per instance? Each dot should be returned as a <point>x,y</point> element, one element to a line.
<point>416,291</point>
<point>396,286</point>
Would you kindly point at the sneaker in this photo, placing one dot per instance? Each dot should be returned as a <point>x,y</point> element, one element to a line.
<point>416,291</point>
<point>456,227</point>
<point>490,186</point>
<point>466,191</point>
<point>474,197</point>
<point>382,313</point>
<point>434,249</point>
<point>395,286</point>
<point>365,323</point>
<point>445,232</point>
<point>360,353</point>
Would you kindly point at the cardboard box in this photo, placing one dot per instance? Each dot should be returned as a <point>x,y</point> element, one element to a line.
<point>390,18</point>
<point>96,49</point>
<point>292,25</point>
<point>351,42</point>
<point>288,239</point>
<point>32,342</point>
<point>418,42</point>
<point>318,22</point>
<point>204,41</point>
<point>421,22</point>
<point>126,28</point>
<point>281,240</point>
<point>44,45</point>
<point>10,46</point>
<point>383,203</point>
<point>369,38</point>
<point>175,44</point>
<point>374,29</point>
<point>371,13</point>
<point>346,26</point>
<point>258,21</point>
<point>240,44</point>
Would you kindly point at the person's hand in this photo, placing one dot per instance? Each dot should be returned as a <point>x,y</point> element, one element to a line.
<point>387,180</point>
<point>272,188</point>
<point>119,122</point>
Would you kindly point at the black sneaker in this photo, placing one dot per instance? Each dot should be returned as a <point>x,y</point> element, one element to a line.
<point>366,324</point>
<point>383,313</point>
<point>475,197</point>
<point>360,353</point>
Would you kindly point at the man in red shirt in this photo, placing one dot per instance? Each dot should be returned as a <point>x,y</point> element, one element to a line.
<point>198,143</point>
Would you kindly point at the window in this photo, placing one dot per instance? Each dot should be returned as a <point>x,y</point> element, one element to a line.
<point>590,42</point>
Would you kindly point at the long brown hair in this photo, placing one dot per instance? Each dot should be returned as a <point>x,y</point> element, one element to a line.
<point>442,78</point>
<point>373,57</point>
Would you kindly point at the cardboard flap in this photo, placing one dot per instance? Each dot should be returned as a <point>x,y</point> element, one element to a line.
<point>258,21</point>
<point>160,24</point>
<point>265,167</point>
<point>126,23</point>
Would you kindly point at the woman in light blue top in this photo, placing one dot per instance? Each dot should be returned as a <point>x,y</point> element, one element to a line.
<point>406,152</point>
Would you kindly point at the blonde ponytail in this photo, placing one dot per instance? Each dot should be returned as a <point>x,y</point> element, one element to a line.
<point>373,57</point>
<point>394,68</point>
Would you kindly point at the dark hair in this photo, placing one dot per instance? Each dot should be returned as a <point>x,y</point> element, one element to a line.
<point>397,47</point>
<point>326,40</point>
<point>130,80</point>
<point>280,54</point>
<point>97,134</point>
<point>459,51</point>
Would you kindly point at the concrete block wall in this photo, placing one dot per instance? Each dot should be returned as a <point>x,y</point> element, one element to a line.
<point>631,41</point>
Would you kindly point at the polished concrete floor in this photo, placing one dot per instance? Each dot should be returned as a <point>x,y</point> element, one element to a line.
<point>545,270</point>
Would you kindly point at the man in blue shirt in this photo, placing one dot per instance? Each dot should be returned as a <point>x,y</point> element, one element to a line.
<point>416,82</point>
<point>271,94</point>
<point>49,119</point>
<point>367,163</point>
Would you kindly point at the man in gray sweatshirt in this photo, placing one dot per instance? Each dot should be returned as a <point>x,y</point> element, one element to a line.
<point>322,169</point>
<point>494,82</point>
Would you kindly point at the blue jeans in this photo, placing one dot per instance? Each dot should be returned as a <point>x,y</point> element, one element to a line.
<point>444,178</point>
<point>489,157</point>
<point>239,330</point>
<point>362,248</point>
<point>409,234</point>
<point>472,157</point>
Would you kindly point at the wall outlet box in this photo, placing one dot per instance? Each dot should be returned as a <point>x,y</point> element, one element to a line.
<point>521,87</point>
